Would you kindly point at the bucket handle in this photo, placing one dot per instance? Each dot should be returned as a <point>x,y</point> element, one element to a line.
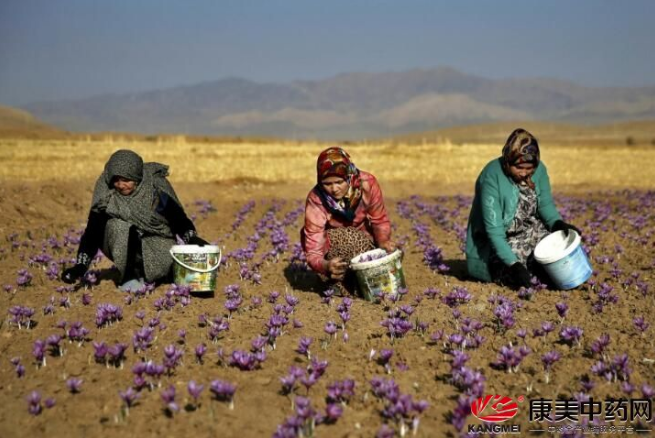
<point>202,271</point>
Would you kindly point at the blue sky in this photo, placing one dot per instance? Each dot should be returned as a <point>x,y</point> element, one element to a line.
<point>57,49</point>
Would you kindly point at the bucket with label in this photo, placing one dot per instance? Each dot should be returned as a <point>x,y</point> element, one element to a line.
<point>378,272</point>
<point>564,259</point>
<point>195,266</point>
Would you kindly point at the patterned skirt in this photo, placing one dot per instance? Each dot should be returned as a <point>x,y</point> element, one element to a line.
<point>346,243</point>
<point>523,235</point>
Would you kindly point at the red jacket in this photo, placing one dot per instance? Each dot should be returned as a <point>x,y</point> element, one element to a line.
<point>370,217</point>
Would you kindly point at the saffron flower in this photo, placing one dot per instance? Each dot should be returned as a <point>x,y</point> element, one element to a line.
<point>223,391</point>
<point>74,385</point>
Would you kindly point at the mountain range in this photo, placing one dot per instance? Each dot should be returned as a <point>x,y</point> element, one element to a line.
<point>347,106</point>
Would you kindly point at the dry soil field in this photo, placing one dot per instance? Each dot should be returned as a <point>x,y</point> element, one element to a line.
<point>454,339</point>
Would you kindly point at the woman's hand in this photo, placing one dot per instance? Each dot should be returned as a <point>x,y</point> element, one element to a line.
<point>336,268</point>
<point>389,246</point>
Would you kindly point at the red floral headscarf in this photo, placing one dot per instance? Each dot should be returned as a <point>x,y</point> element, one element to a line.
<point>335,161</point>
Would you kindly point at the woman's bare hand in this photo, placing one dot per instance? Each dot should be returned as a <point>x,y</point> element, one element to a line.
<point>336,268</point>
<point>389,246</point>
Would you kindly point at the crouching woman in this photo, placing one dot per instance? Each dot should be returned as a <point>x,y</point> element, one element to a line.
<point>513,209</point>
<point>345,216</point>
<point>134,218</point>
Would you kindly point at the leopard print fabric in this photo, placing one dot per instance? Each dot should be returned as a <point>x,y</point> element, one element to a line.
<point>346,243</point>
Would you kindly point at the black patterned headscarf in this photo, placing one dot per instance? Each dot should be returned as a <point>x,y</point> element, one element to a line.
<point>124,163</point>
<point>139,207</point>
<point>521,147</point>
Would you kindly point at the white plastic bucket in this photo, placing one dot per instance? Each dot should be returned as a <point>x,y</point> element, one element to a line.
<point>563,259</point>
<point>195,266</point>
<point>383,275</point>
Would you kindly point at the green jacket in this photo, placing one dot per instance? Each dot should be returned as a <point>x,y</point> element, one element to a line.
<point>494,208</point>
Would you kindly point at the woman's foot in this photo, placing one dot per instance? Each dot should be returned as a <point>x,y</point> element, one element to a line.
<point>132,285</point>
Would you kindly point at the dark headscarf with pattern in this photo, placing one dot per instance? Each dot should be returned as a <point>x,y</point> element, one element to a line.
<point>139,207</point>
<point>521,147</point>
<point>335,161</point>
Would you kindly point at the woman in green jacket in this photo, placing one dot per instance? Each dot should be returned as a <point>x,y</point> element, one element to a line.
<point>512,211</point>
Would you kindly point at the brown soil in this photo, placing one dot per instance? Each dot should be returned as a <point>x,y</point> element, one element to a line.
<point>420,367</point>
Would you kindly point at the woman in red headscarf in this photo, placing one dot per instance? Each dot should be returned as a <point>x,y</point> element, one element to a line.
<point>344,216</point>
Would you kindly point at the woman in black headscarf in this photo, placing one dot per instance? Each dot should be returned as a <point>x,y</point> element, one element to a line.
<point>135,216</point>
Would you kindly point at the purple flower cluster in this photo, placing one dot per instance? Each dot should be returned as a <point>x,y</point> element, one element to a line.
<point>470,382</point>
<point>176,294</point>
<point>143,339</point>
<point>305,419</point>
<point>458,296</point>
<point>509,358</point>
<point>172,358</point>
<point>572,334</point>
<point>223,391</point>
<point>307,378</point>
<point>106,314</point>
<point>19,368</point>
<point>34,403</point>
<point>114,355</point>
<point>144,370</point>
<point>298,260</point>
<point>397,324</point>
<point>217,325</point>
<point>433,257</point>
<point>21,316</point>
<point>245,360</point>
<point>398,407</point>
<point>604,297</point>
<point>168,397</point>
<point>77,332</point>
<point>371,256</point>
<point>599,345</point>
<point>24,278</point>
<point>341,391</point>
<point>617,369</point>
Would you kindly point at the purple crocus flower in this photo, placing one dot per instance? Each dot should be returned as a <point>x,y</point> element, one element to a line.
<point>129,397</point>
<point>571,334</point>
<point>200,351</point>
<point>273,296</point>
<point>333,412</point>
<point>38,351</point>
<point>100,351</point>
<point>599,345</point>
<point>562,309</point>
<point>223,391</point>
<point>640,324</point>
<point>330,328</point>
<point>195,390</point>
<point>34,403</point>
<point>74,385</point>
<point>168,397</point>
<point>548,360</point>
<point>303,347</point>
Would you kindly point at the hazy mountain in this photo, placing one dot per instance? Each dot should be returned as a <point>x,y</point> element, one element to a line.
<point>17,123</point>
<point>350,105</point>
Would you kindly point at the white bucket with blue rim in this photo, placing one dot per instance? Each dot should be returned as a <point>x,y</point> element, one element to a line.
<point>564,259</point>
